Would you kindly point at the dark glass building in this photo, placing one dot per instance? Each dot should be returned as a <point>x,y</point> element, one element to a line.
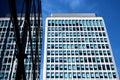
<point>8,60</point>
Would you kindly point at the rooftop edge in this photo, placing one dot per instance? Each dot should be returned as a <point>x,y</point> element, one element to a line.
<point>74,15</point>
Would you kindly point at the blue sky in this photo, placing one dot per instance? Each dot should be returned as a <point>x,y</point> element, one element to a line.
<point>108,9</point>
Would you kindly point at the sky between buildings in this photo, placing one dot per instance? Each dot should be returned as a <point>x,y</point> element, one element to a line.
<point>108,9</point>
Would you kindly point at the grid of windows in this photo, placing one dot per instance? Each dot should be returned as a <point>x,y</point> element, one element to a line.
<point>78,49</point>
<point>7,50</point>
<point>81,75</point>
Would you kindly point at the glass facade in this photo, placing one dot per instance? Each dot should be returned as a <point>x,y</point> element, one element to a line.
<point>77,48</point>
<point>8,60</point>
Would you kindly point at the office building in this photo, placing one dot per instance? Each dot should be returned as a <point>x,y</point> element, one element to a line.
<point>8,60</point>
<point>77,47</point>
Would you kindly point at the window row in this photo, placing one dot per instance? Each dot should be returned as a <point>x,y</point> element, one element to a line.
<point>77,46</point>
<point>79,52</point>
<point>79,59</point>
<point>76,34</point>
<point>3,29</point>
<point>79,67</point>
<point>4,23</point>
<point>76,29</point>
<point>77,40</point>
<point>20,22</point>
<point>81,75</point>
<point>3,75</point>
<point>6,67</point>
<point>75,23</point>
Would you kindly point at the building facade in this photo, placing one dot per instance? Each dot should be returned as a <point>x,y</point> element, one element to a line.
<point>8,60</point>
<point>77,47</point>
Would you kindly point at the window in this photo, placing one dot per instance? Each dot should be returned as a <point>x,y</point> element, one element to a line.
<point>56,67</point>
<point>82,67</point>
<point>48,67</point>
<point>81,59</point>
<point>94,22</point>
<point>56,59</point>
<point>60,53</point>
<point>86,67</point>
<point>70,75</point>
<point>69,60</point>
<point>65,67</point>
<point>74,74</point>
<point>52,67</point>
<point>64,59</point>
<point>73,67</point>
<point>92,75</point>
<point>63,22</point>
<point>61,74</point>
<point>78,67</point>
<point>60,22</point>
<point>96,74</point>
<point>99,67</point>
<point>101,23</point>
<point>48,34</point>
<point>52,46</point>
<point>65,75</point>
<point>52,53</point>
<point>91,67</point>
<point>56,75</point>
<point>105,75</point>
<point>83,22</point>
<point>52,28</point>
<point>56,52</point>
<point>108,67</point>
<point>114,75</point>
<point>112,67</point>
<point>83,75</point>
<point>109,75</point>
<point>56,22</point>
<point>5,23</point>
<point>91,22</point>
<point>60,59</point>
<point>69,67</point>
<point>77,59</point>
<point>66,22</point>
<point>103,66</point>
<point>68,52</point>
<point>72,52</point>
<point>95,67</point>
<point>87,75</point>
<point>2,22</point>
<point>52,74</point>
<point>79,75</point>
<point>61,67</point>
<point>73,60</point>
<point>110,60</point>
<point>101,75</point>
<point>48,59</point>
<point>97,22</point>
<point>49,22</point>
<point>52,59</point>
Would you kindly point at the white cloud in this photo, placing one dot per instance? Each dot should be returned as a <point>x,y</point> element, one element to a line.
<point>76,3</point>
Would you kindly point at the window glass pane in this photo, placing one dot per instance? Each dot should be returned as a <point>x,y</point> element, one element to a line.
<point>101,23</point>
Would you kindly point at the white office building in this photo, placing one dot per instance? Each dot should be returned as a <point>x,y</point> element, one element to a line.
<point>77,47</point>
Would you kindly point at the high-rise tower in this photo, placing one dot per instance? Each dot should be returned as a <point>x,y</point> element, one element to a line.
<point>77,47</point>
<point>8,51</point>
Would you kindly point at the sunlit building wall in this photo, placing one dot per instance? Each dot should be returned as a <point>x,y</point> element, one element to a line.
<point>77,47</point>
